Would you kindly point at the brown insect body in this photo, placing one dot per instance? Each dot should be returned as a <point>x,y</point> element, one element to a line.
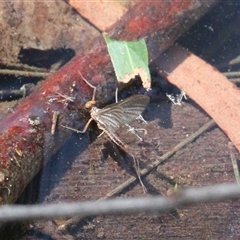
<point>112,117</point>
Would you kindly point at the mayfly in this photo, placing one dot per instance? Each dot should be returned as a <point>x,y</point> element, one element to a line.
<point>112,117</point>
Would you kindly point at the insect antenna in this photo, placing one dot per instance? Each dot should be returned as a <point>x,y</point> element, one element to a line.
<point>88,106</point>
<point>137,170</point>
<point>92,102</point>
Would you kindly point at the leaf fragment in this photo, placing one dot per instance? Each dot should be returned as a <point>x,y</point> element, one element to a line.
<point>129,59</point>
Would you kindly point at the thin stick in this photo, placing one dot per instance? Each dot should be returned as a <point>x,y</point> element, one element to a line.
<point>157,204</point>
<point>65,97</point>
<point>24,73</point>
<point>234,163</point>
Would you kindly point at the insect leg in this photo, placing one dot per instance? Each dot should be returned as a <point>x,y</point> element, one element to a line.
<point>140,117</point>
<point>86,126</point>
<point>78,131</point>
<point>101,134</point>
<point>134,130</point>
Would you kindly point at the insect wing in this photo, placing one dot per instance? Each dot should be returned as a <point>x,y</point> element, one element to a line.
<point>112,117</point>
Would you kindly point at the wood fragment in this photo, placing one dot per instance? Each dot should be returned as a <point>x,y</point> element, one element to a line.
<point>102,14</point>
<point>54,121</point>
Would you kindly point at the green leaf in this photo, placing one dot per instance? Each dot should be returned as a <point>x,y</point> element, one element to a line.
<point>129,59</point>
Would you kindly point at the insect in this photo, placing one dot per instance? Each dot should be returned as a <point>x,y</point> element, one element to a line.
<point>112,117</point>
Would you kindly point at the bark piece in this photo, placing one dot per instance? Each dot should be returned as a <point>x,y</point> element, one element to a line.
<point>102,14</point>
